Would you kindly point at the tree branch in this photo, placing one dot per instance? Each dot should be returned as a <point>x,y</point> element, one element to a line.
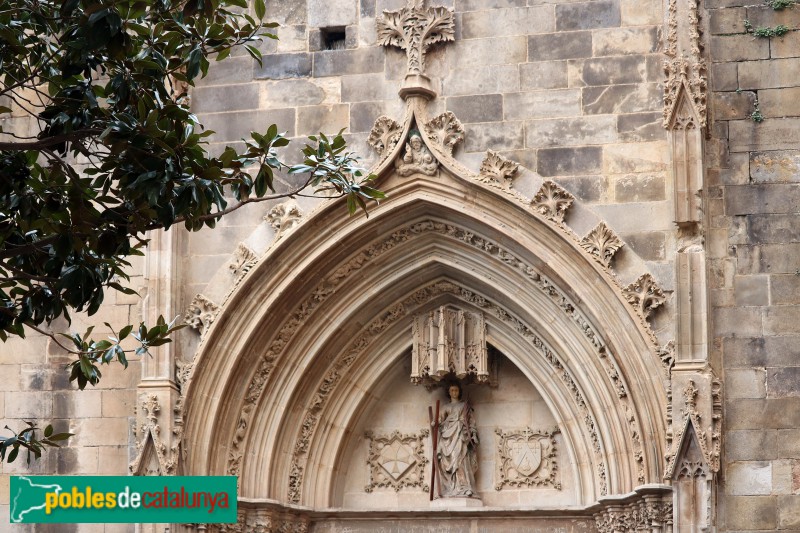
<point>50,141</point>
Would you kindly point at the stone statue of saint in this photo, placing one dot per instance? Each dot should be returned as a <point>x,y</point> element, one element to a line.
<point>417,159</point>
<point>456,449</point>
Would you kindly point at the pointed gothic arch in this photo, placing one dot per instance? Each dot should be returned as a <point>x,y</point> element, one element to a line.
<point>286,366</point>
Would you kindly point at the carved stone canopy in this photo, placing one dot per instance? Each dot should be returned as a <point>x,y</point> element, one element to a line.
<point>449,341</point>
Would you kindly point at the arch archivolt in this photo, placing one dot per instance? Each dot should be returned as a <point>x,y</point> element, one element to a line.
<point>334,298</point>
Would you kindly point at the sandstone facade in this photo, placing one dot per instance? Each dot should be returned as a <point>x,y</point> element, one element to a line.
<point>613,184</point>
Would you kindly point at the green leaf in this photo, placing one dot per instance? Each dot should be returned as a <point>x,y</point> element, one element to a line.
<point>48,430</point>
<point>261,9</point>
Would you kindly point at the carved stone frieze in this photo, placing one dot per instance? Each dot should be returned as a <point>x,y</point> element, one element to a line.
<point>284,217</point>
<point>684,67</point>
<point>497,170</point>
<point>667,355</point>
<point>644,294</point>
<point>243,260</point>
<point>396,460</point>
<point>384,135</point>
<point>602,243</point>
<point>446,131</point>
<point>415,29</point>
<point>644,514</point>
<point>526,458</point>
<point>552,201</point>
<point>201,313</point>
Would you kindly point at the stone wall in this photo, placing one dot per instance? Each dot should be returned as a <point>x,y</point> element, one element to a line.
<point>754,276</point>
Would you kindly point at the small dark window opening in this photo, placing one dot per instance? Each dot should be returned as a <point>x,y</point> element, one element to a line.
<point>333,38</point>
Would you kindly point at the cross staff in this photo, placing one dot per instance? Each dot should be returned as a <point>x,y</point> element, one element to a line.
<point>435,442</point>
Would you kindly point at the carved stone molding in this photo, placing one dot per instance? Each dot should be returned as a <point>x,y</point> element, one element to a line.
<point>396,460</point>
<point>552,201</point>
<point>526,458</point>
<point>602,243</point>
<point>201,313</point>
<point>446,131</point>
<point>254,390</point>
<point>497,170</point>
<point>242,261</point>
<point>644,295</point>
<point>284,217</point>
<point>384,135</point>
<point>266,521</point>
<point>415,29</point>
<point>667,355</point>
<point>153,458</point>
<point>329,285</point>
<point>684,67</point>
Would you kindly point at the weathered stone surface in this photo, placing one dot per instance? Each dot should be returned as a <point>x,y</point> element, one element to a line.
<point>767,258</point>
<point>724,76</point>
<point>737,321</point>
<point>587,15</point>
<point>323,118</point>
<point>640,188</point>
<point>761,352</point>
<point>367,88</point>
<point>292,38</point>
<point>624,41</point>
<point>331,13</point>
<point>650,245</point>
<point>541,104</point>
<point>286,12</point>
<point>225,98</point>
<point>751,512</point>
<point>234,126</point>
<point>763,15</point>
<point>733,105</point>
<point>585,188</point>
<point>727,21</point>
<point>553,46</point>
<point>789,511</point>
<point>474,5</point>
<point>640,12</point>
<point>640,127</point>
<point>782,320</point>
<point>786,46</point>
<point>342,62</point>
<point>774,134</point>
<point>751,290</point>
<point>773,228</point>
<point>277,66</point>
<point>785,289</point>
<point>775,167</point>
<point>494,51</point>
<point>570,131</point>
<point>232,70</point>
<point>754,445</point>
<point>769,74</point>
<point>749,478</point>
<point>763,198</point>
<point>746,383</point>
<point>739,48</point>
<point>502,22</point>
<point>487,135</point>
<point>543,75</point>
<point>480,108</point>
<point>780,102</point>
<point>783,382</point>
<point>482,80</point>
<point>291,93</point>
<point>647,157</point>
<point>777,413</point>
<point>621,98</point>
<point>569,161</point>
<point>613,70</point>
